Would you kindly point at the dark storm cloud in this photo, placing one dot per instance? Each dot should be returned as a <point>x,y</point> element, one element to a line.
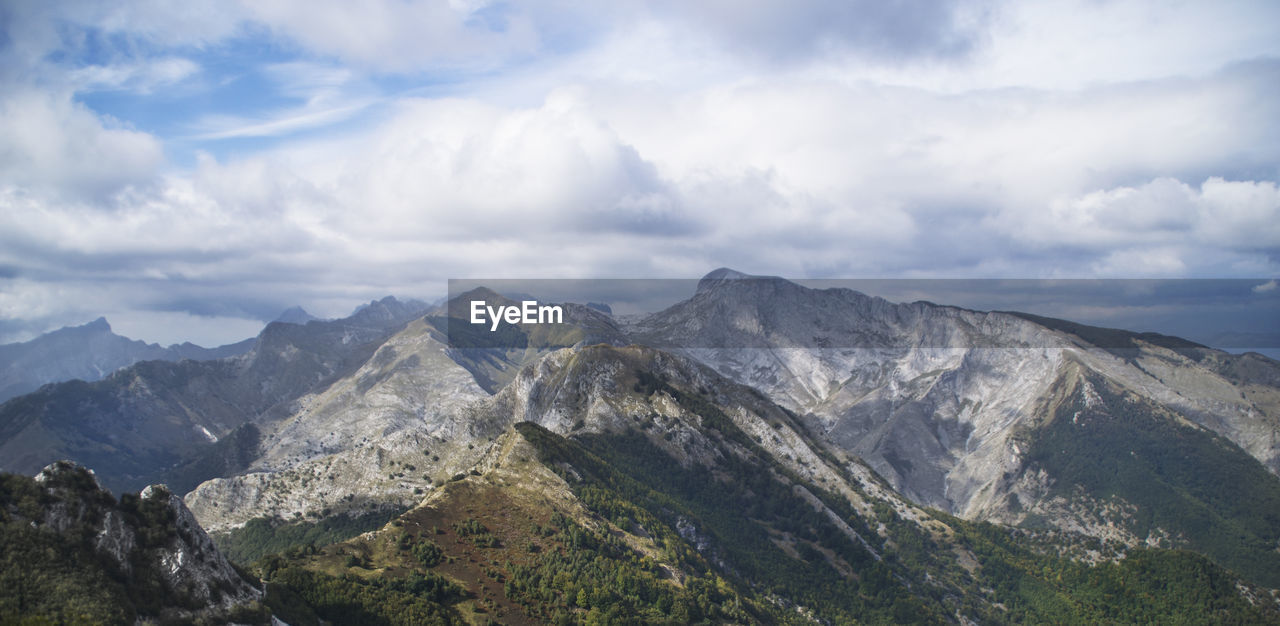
<point>234,302</point>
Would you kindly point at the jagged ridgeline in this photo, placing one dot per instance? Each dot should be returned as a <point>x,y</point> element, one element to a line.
<point>494,354</point>
<point>88,352</point>
<point>72,553</point>
<point>759,453</point>
<point>185,422</point>
<point>667,506</point>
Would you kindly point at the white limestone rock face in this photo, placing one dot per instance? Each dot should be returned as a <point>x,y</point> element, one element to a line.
<point>933,397</point>
<point>937,400</point>
<point>378,437</point>
<point>192,562</point>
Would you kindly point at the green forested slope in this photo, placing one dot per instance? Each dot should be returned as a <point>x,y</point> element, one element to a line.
<point>1195,488</point>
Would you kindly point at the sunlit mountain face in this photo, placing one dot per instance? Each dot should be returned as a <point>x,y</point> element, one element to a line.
<point>760,451</point>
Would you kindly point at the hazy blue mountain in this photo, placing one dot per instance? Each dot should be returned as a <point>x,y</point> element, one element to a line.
<point>89,353</point>
<point>183,422</point>
<point>295,315</point>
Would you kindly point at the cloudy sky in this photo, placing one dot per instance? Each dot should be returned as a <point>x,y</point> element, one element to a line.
<point>190,169</point>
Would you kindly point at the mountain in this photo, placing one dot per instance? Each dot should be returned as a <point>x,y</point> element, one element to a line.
<point>295,315</point>
<point>967,411</point>
<point>358,441</point>
<point>493,357</point>
<point>393,427</point>
<point>88,352</point>
<point>631,450</point>
<point>184,422</point>
<point>399,423</point>
<point>72,553</point>
<point>761,452</point>
<point>630,484</point>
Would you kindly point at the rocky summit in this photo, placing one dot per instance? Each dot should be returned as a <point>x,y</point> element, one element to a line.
<point>944,401</point>
<point>761,452</point>
<point>75,554</point>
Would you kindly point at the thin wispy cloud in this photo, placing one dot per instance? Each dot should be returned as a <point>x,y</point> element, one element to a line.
<point>222,127</point>
<point>144,77</point>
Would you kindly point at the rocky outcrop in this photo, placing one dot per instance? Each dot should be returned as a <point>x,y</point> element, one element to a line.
<point>378,437</point>
<point>156,560</point>
<point>192,563</point>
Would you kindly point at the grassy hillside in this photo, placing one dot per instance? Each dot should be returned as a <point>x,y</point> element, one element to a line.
<point>262,536</point>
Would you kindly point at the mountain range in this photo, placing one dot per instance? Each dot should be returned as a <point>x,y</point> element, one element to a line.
<point>182,422</point>
<point>759,452</point>
<point>89,352</point>
<point>92,351</point>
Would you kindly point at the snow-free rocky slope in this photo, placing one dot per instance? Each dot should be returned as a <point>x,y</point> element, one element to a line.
<point>870,407</point>
<point>393,427</point>
<point>605,483</point>
<point>71,553</point>
<point>985,415</point>
<point>378,436</point>
<point>945,402</point>
<point>184,422</point>
<point>626,483</point>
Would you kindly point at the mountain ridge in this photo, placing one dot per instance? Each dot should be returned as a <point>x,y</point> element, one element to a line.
<point>141,558</point>
<point>142,423</point>
<point>89,352</point>
<point>874,421</point>
<point>625,482</point>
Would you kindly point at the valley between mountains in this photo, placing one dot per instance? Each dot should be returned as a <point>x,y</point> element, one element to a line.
<point>761,452</point>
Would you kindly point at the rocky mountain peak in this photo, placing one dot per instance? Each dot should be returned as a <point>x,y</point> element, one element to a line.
<point>98,325</point>
<point>732,310</point>
<point>592,389</point>
<point>87,352</point>
<point>151,555</point>
<point>96,328</point>
<point>717,276</point>
<point>295,315</point>
<point>725,277</point>
<point>387,311</point>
